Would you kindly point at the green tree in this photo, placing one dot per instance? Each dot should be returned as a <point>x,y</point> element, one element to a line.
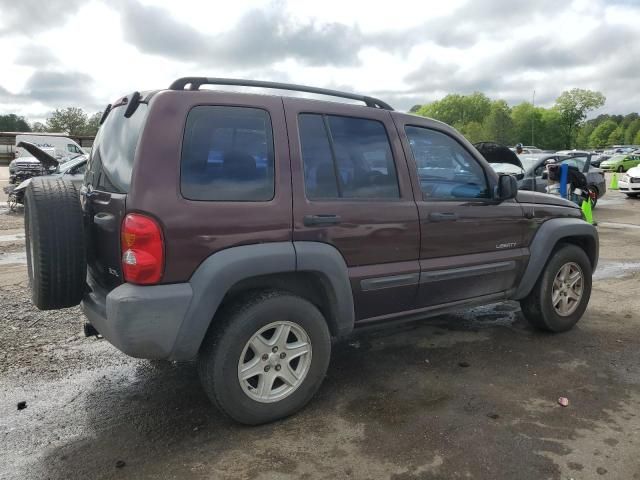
<point>13,123</point>
<point>527,124</point>
<point>636,140</point>
<point>573,106</point>
<point>415,108</point>
<point>70,120</point>
<point>600,135</point>
<point>92,125</point>
<point>473,131</point>
<point>631,132</point>
<point>617,136</point>
<point>550,135</point>
<point>38,127</point>
<point>498,125</point>
<point>582,139</point>
<point>458,109</point>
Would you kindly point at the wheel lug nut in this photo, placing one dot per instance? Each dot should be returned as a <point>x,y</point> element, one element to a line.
<point>282,355</point>
<point>267,368</point>
<point>274,349</point>
<point>278,367</point>
<point>265,357</point>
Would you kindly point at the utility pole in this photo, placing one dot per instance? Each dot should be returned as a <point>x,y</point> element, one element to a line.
<point>533,117</point>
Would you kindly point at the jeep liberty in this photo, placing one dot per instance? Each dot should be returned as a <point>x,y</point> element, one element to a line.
<point>247,231</point>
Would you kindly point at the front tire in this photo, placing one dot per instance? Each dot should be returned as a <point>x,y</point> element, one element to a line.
<point>561,294</point>
<point>264,357</point>
<point>620,169</point>
<point>631,195</point>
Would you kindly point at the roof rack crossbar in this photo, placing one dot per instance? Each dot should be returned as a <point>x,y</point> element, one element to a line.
<point>195,83</point>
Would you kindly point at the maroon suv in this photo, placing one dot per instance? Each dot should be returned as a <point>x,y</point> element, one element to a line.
<point>248,230</point>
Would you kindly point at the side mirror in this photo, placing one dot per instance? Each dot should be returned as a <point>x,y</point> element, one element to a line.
<point>507,187</point>
<point>545,175</point>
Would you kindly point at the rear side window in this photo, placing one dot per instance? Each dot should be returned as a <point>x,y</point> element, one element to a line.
<point>227,155</point>
<point>346,157</point>
<point>114,149</point>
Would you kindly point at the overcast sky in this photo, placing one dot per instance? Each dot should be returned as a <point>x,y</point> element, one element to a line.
<point>86,53</point>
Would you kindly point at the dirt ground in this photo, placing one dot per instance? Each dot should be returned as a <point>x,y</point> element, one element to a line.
<point>470,395</point>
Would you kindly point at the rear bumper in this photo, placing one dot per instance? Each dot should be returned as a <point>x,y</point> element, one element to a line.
<point>141,321</point>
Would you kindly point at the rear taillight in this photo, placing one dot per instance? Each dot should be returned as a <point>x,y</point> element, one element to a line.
<point>142,250</point>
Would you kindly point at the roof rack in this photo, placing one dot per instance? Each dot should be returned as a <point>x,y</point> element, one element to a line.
<point>195,83</point>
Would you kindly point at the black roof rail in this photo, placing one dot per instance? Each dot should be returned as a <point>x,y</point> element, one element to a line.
<point>195,83</point>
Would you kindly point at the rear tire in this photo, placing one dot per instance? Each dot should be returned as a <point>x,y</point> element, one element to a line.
<point>241,339</point>
<point>55,243</point>
<point>538,307</point>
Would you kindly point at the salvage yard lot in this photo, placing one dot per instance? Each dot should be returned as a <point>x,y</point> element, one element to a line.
<point>470,395</point>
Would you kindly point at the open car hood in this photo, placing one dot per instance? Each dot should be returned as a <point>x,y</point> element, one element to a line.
<point>46,160</point>
<point>496,153</point>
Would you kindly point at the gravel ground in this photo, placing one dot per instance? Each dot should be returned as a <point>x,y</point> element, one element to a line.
<point>470,395</point>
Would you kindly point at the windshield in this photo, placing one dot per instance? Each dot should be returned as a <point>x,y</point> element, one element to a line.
<point>507,168</point>
<point>529,162</point>
<point>114,147</point>
<point>578,162</point>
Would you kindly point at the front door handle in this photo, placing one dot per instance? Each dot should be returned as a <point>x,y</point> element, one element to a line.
<point>319,220</point>
<point>443,217</point>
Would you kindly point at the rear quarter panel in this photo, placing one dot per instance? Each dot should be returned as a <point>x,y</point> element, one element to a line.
<point>193,230</point>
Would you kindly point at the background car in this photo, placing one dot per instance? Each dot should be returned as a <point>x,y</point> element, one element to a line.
<point>629,184</point>
<point>534,178</point>
<point>620,163</point>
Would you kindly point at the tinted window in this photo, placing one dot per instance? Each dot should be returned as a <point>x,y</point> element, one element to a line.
<point>114,149</point>
<point>346,157</point>
<point>445,169</point>
<point>578,162</point>
<point>227,154</point>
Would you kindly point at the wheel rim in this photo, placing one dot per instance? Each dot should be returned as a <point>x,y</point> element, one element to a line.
<point>274,362</point>
<point>568,287</point>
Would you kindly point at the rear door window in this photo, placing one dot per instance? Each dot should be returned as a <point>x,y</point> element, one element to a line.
<point>227,155</point>
<point>346,157</point>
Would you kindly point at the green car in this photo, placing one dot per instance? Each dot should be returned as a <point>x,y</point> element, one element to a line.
<point>620,163</point>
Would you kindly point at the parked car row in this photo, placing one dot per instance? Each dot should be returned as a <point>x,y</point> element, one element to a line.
<point>529,169</point>
<point>621,163</point>
<point>40,162</point>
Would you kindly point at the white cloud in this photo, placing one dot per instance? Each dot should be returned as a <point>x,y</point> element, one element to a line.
<point>411,52</point>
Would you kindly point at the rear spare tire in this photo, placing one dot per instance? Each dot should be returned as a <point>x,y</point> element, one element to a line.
<point>55,243</point>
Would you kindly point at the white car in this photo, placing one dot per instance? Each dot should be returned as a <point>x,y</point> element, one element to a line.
<point>629,184</point>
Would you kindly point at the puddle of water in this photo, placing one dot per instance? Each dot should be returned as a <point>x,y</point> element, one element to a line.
<point>617,225</point>
<point>609,269</point>
<point>10,258</point>
<point>12,238</point>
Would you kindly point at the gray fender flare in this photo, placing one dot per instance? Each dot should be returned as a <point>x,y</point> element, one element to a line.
<point>222,270</point>
<point>326,261</point>
<point>548,235</point>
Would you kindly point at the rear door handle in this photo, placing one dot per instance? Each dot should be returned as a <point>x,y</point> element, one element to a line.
<point>316,220</point>
<point>443,217</point>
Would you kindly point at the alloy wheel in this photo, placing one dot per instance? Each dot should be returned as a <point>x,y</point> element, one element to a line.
<point>275,362</point>
<point>567,290</point>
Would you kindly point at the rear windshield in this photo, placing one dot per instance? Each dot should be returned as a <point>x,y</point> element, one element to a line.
<point>113,150</point>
